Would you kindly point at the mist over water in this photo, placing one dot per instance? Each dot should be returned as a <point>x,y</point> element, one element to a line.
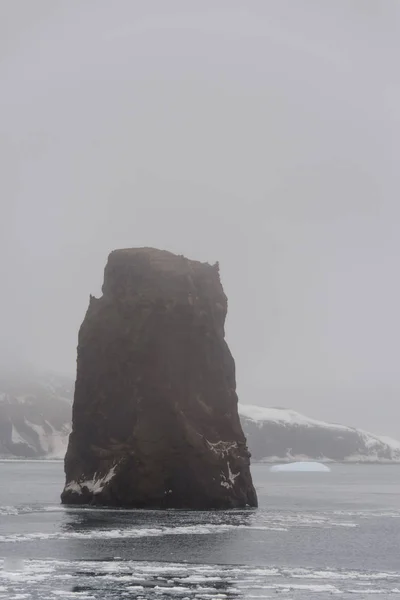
<point>264,136</point>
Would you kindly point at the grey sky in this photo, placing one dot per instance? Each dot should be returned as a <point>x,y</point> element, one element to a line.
<point>263,134</point>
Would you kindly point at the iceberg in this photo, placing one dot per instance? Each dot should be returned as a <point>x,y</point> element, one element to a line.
<point>300,466</point>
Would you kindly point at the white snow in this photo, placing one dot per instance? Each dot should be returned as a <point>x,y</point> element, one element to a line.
<point>73,486</point>
<point>16,438</point>
<point>94,485</point>
<point>232,476</point>
<point>284,416</point>
<point>372,457</point>
<point>53,443</point>
<point>374,444</point>
<point>300,467</point>
<point>58,442</point>
<point>53,578</point>
<point>222,448</point>
<point>290,458</point>
<point>42,435</point>
<point>229,481</point>
<point>390,441</point>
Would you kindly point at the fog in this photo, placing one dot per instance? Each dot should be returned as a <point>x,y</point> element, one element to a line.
<point>262,134</point>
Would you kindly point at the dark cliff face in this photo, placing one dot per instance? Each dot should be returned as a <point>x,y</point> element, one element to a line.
<point>155,419</point>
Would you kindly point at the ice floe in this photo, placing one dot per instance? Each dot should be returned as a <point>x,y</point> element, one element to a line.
<point>301,466</point>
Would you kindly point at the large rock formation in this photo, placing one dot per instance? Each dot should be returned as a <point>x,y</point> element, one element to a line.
<point>155,419</point>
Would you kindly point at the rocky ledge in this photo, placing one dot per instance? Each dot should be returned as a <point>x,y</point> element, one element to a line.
<point>155,418</point>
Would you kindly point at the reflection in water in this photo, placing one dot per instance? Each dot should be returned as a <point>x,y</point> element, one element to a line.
<point>92,519</point>
<point>178,536</point>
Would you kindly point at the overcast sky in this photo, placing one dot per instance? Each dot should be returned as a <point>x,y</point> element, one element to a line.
<point>263,134</point>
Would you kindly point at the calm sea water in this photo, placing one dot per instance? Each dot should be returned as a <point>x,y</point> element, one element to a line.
<point>315,535</point>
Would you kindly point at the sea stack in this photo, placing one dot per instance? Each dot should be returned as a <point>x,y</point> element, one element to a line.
<point>155,415</point>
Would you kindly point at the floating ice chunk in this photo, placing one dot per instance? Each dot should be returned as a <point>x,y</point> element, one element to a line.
<point>300,466</point>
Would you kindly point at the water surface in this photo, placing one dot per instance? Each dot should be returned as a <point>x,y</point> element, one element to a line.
<point>314,535</point>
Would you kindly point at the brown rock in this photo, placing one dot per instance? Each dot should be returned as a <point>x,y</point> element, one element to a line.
<point>155,419</point>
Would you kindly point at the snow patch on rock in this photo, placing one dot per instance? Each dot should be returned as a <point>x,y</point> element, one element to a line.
<point>228,481</point>
<point>222,448</point>
<point>94,485</point>
<point>16,438</point>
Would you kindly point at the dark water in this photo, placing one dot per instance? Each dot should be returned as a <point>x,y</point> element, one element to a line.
<point>315,535</point>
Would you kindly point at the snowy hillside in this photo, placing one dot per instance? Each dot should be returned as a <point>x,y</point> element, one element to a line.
<point>35,421</point>
<point>278,435</point>
<point>35,414</point>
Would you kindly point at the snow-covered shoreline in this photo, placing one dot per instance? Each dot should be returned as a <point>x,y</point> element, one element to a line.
<point>277,435</point>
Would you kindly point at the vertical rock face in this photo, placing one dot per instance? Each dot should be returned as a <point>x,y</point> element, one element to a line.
<point>155,418</point>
